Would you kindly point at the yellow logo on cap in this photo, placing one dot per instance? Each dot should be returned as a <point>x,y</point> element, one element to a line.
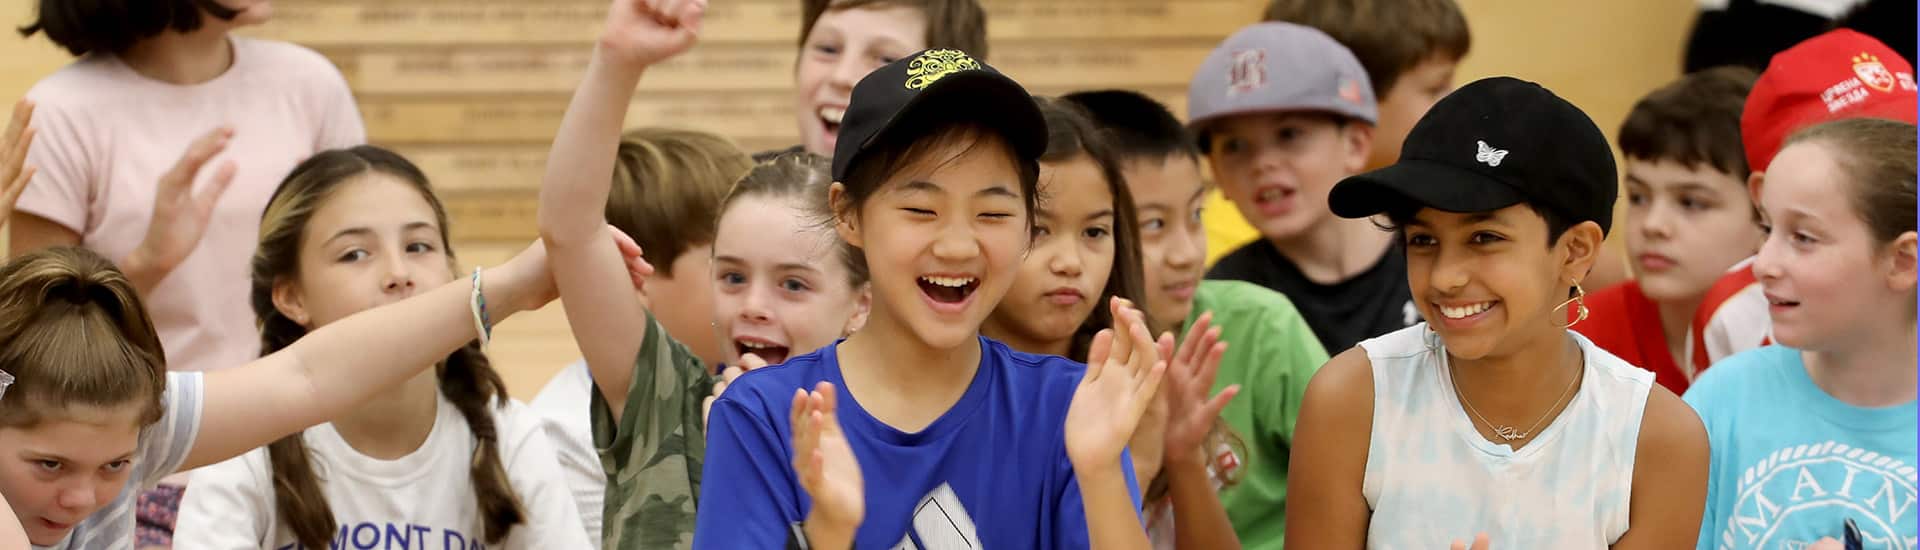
<point>935,65</point>
<point>1872,73</point>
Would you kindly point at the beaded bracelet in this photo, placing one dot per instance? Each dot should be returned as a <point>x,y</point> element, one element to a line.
<point>478,304</point>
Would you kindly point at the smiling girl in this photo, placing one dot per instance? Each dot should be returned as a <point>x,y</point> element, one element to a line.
<point>843,40</point>
<point>447,452</point>
<point>1823,423</point>
<point>1492,418</point>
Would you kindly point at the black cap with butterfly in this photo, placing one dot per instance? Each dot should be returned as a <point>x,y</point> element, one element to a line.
<point>930,88</point>
<point>1492,144</point>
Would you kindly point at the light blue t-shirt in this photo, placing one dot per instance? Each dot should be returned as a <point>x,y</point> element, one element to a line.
<point>1791,463</point>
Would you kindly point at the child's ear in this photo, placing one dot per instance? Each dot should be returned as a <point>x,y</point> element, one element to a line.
<point>1754,180</point>
<point>862,306</point>
<point>287,299</point>
<point>843,215</point>
<point>1359,138</point>
<point>1901,251</point>
<point>1583,242</point>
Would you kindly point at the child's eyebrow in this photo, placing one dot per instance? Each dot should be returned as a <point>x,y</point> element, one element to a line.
<point>1107,213</point>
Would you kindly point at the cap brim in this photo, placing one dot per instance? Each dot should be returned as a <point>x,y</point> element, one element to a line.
<point>1410,185</point>
<point>983,97</point>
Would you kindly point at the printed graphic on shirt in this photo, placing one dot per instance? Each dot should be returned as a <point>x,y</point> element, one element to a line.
<point>940,522</point>
<point>1798,495</point>
<point>366,536</point>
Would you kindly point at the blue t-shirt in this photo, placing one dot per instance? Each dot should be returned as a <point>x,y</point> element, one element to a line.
<point>991,472</point>
<point>1791,463</point>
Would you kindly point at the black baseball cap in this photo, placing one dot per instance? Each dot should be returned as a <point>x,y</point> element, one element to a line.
<point>932,87</point>
<point>1489,145</point>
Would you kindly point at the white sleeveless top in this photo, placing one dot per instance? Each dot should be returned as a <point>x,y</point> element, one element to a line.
<point>1431,478</point>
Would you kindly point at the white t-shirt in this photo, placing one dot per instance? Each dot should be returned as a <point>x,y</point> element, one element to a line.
<point>162,449</point>
<point>1431,478</point>
<point>422,500</point>
<point>107,135</point>
<point>563,408</point>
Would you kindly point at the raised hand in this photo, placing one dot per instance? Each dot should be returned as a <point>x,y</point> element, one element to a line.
<point>827,469</point>
<point>1123,372</point>
<point>180,215</point>
<point>641,33</point>
<point>13,158</point>
<point>1191,414</point>
<point>1479,543</point>
<point>748,362</point>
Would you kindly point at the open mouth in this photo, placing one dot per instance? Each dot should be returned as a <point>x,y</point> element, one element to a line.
<point>948,290</point>
<point>770,352</point>
<point>1463,312</point>
<point>830,118</point>
<point>1779,302</point>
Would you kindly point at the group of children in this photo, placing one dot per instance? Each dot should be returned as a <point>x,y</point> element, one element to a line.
<point>959,315</point>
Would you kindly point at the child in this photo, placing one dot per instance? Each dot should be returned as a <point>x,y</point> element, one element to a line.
<point>934,185</point>
<point>93,415</point>
<point>1688,220</point>
<point>349,230</point>
<point>1794,93</point>
<point>1272,353</point>
<point>843,40</point>
<point>666,189</point>
<point>1493,418</point>
<point>1283,112</point>
<point>778,284</point>
<point>1409,49</point>
<point>1813,438</point>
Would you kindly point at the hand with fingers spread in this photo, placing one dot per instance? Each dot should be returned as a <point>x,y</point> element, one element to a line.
<point>533,277</point>
<point>1190,375</point>
<point>827,469</point>
<point>1123,372</point>
<point>1479,543</point>
<point>641,33</point>
<point>14,174</point>
<point>748,362</point>
<point>180,214</point>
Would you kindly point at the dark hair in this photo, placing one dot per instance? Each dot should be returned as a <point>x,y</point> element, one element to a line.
<point>1694,121</point>
<point>1136,125</point>
<point>801,177</point>
<point>915,143</point>
<point>466,378</point>
<point>74,332</point>
<point>1389,37</point>
<point>667,187</point>
<point>1884,20</point>
<point>113,26</point>
<point>951,24</point>
<point>1877,155</point>
<point>1071,136</point>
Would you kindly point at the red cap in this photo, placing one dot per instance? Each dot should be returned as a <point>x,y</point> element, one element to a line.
<point>1840,74</point>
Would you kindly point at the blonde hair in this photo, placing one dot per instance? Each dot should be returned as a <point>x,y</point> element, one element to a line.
<point>74,332</point>
<point>667,187</point>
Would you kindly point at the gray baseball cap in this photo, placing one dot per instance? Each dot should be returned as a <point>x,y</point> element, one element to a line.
<point>1279,66</point>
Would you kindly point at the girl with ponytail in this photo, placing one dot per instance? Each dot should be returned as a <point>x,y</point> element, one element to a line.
<point>444,457</point>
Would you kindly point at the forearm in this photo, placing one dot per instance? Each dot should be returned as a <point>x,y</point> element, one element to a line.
<point>143,271</point>
<point>579,175</point>
<point>1112,521</point>
<point>1199,520</point>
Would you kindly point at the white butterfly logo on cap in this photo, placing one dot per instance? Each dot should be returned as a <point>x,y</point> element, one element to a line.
<point>1489,155</point>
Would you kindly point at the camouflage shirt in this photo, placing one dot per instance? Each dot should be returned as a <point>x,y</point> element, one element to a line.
<point>652,454</point>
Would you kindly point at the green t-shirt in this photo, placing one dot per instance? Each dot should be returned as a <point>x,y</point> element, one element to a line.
<point>652,454</point>
<point>1271,354</point>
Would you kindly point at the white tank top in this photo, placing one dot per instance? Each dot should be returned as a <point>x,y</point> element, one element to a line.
<point>1431,478</point>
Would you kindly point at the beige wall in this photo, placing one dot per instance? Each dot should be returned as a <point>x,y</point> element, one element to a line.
<point>1600,55</point>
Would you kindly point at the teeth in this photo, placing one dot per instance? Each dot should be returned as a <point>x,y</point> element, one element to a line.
<point>832,114</point>
<point>1466,311</point>
<point>951,282</point>
<point>1271,194</point>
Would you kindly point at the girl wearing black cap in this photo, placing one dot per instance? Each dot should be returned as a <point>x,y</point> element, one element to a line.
<point>1492,419</point>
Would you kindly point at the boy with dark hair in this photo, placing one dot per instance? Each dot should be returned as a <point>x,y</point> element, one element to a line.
<point>843,40</point>
<point>1283,113</point>
<point>1689,219</point>
<point>1409,49</point>
<point>1271,352</point>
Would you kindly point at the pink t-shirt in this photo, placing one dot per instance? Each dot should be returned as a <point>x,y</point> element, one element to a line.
<point>107,134</point>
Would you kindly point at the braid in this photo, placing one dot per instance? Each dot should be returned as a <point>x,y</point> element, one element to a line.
<point>468,381</point>
<point>297,497</point>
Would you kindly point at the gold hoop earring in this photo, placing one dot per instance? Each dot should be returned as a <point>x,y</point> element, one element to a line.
<point>1579,301</point>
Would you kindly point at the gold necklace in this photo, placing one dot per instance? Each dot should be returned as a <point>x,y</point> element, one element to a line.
<point>1504,431</point>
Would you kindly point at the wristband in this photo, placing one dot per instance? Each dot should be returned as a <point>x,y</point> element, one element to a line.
<point>479,306</point>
